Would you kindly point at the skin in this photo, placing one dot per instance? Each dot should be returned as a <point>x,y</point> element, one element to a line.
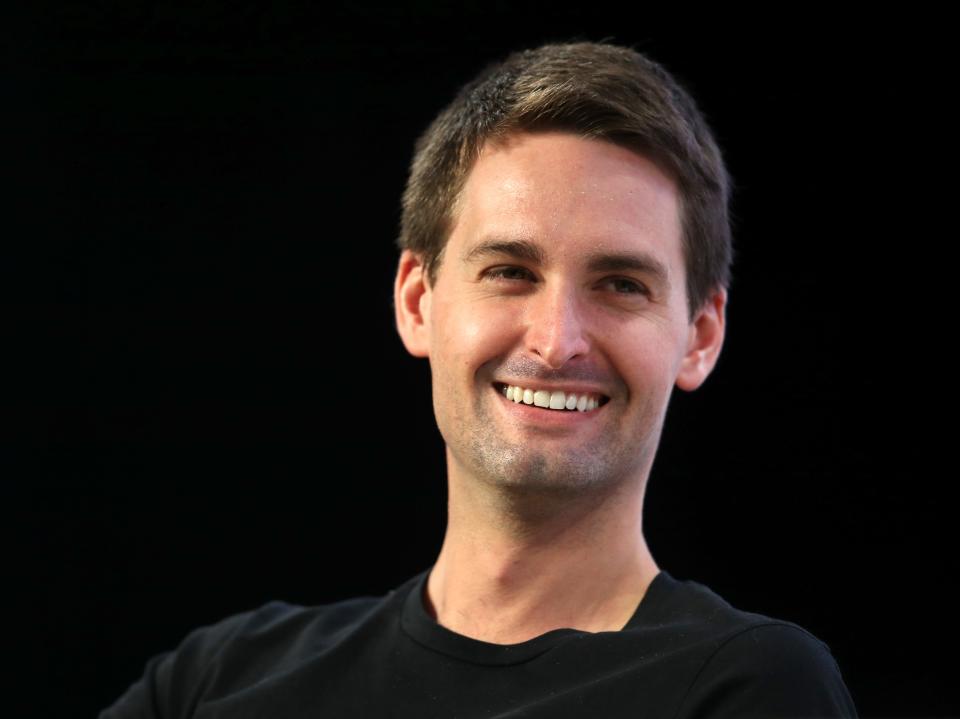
<point>545,512</point>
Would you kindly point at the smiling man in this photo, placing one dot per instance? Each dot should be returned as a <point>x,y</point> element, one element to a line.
<point>556,328</point>
<point>565,262</point>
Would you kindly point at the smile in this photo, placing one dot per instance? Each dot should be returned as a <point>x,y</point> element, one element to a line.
<point>555,400</point>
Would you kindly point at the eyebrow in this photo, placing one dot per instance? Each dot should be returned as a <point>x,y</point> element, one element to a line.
<point>528,251</point>
<point>520,249</point>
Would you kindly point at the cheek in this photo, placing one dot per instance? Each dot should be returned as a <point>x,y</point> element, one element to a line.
<point>469,336</point>
<point>649,367</point>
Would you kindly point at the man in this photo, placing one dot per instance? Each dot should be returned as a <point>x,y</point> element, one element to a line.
<point>565,262</point>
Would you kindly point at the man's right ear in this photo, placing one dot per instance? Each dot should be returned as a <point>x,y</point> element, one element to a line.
<point>411,302</point>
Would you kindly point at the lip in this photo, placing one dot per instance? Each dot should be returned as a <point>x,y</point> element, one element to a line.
<point>547,418</point>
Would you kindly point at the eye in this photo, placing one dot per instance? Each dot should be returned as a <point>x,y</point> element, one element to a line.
<point>624,286</point>
<point>511,273</point>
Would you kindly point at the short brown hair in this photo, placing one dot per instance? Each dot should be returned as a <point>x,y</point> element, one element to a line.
<point>594,90</point>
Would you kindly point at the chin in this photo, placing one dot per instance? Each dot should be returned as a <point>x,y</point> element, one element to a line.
<point>547,475</point>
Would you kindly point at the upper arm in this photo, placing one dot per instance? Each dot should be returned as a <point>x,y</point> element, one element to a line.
<point>173,681</point>
<point>771,670</point>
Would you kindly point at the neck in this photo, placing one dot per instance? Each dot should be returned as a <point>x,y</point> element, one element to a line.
<point>514,566</point>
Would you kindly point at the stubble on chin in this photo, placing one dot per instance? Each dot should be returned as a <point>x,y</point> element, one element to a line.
<point>518,474</point>
<point>523,470</point>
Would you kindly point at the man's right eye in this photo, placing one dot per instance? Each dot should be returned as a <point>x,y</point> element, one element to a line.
<point>509,273</point>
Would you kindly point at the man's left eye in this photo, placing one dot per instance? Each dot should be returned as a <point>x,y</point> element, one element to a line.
<point>625,286</point>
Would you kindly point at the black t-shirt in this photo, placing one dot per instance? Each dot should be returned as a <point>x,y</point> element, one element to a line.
<point>685,653</point>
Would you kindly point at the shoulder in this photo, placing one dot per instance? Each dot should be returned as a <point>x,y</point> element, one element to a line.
<point>774,669</point>
<point>279,636</point>
<point>235,651</point>
<point>752,665</point>
<point>277,631</point>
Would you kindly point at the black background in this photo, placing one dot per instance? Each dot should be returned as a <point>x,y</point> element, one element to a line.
<point>214,410</point>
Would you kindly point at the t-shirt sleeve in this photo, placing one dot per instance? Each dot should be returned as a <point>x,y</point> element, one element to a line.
<point>772,670</point>
<point>173,681</point>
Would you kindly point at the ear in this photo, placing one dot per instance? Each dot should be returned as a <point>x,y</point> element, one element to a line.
<point>411,302</point>
<point>705,341</point>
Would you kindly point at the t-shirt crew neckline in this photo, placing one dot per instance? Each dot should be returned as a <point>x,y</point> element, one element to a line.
<point>424,629</point>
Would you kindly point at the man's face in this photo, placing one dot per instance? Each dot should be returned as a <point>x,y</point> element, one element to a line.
<point>564,272</point>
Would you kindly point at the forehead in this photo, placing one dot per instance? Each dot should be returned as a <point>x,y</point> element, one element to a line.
<point>570,195</point>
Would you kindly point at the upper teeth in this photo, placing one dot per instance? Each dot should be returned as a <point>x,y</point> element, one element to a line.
<point>552,400</point>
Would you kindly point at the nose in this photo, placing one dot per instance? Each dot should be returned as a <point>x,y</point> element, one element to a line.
<point>556,331</point>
